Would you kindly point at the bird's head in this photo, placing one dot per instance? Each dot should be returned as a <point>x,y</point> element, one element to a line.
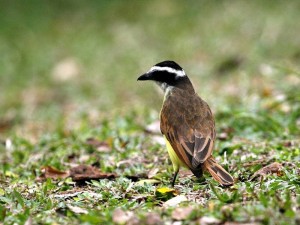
<point>167,74</point>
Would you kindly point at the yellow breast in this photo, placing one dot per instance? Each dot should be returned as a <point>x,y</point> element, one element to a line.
<point>173,156</point>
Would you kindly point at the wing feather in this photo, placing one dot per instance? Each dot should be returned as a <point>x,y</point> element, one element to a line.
<point>189,127</point>
<point>218,172</point>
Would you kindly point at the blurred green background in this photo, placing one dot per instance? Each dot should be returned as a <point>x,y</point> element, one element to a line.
<point>68,77</point>
<point>68,60</point>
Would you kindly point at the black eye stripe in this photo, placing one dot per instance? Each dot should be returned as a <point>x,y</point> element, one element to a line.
<point>169,78</point>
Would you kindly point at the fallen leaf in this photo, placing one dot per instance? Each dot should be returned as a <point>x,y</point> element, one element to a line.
<point>208,220</point>
<point>77,210</point>
<point>101,146</point>
<point>53,173</point>
<point>175,201</point>
<point>153,219</point>
<point>237,223</point>
<point>274,167</point>
<point>146,181</point>
<point>78,173</point>
<point>255,162</point>
<point>83,173</point>
<point>182,213</point>
<point>185,173</point>
<point>290,165</point>
<point>121,217</point>
<point>165,193</point>
<point>133,221</point>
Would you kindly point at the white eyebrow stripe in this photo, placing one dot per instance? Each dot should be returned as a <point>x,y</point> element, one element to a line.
<point>179,73</point>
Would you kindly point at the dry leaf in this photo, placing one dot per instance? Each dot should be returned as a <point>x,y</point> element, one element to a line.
<point>77,210</point>
<point>83,172</point>
<point>146,181</point>
<point>274,167</point>
<point>53,173</point>
<point>185,173</point>
<point>175,201</point>
<point>121,217</point>
<point>153,219</point>
<point>78,173</point>
<point>182,213</point>
<point>237,223</point>
<point>207,220</point>
<point>101,146</point>
<point>262,161</point>
<point>133,221</point>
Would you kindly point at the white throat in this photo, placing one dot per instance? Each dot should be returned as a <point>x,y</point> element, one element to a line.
<point>165,87</point>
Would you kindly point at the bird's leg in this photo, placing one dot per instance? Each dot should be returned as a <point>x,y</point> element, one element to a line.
<point>174,178</point>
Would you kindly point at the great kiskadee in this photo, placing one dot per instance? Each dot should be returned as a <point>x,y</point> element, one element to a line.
<point>186,123</point>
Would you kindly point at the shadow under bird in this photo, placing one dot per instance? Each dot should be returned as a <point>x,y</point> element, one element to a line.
<point>186,123</point>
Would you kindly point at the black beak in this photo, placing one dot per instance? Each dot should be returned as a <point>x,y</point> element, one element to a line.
<point>146,76</point>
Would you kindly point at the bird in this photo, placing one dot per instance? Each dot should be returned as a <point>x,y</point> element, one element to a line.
<point>186,123</point>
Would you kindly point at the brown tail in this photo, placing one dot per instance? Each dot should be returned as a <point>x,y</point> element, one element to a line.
<point>218,172</point>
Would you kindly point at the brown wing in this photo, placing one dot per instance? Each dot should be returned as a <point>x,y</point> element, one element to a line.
<point>218,172</point>
<point>188,124</point>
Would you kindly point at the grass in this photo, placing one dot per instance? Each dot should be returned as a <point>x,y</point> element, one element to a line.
<point>243,59</point>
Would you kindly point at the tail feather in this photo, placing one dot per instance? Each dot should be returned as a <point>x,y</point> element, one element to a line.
<point>218,172</point>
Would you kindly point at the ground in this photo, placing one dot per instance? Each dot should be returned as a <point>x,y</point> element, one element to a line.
<point>71,110</point>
